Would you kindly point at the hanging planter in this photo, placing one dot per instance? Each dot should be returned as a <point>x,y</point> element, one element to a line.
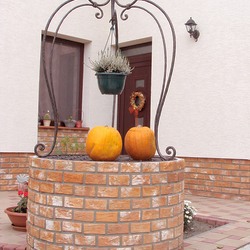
<point>111,71</point>
<point>111,83</point>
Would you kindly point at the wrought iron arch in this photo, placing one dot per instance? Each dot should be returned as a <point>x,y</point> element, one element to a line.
<point>124,16</point>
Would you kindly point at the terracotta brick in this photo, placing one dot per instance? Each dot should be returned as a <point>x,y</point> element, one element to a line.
<point>130,192</point>
<point>52,225</point>
<point>85,191</point>
<point>198,176</point>
<point>108,167</point>
<point>159,178</point>
<point>118,180</point>
<point>55,200</point>
<point>143,227</point>
<point>130,167</point>
<point>39,245</point>
<point>166,166</point>
<point>85,216</point>
<point>118,228</point>
<point>207,194</point>
<point>63,188</point>
<point>167,234</point>
<point>40,198</point>
<point>105,241</point>
<point>151,238</point>
<point>173,177</point>
<point>34,231</point>
<point>131,240</point>
<point>140,180</point>
<point>173,244</point>
<point>63,214</point>
<point>149,247</point>
<point>106,216</point>
<point>35,185</point>
<point>173,222</point>
<point>54,176</point>
<point>108,192</point>
<point>63,238</point>
<point>213,189</point>
<point>181,176</point>
<point>40,175</point>
<point>130,216</point>
<point>119,204</point>
<point>159,201</point>
<point>241,185</point>
<point>222,172</point>
<point>159,225</point>
<point>47,187</point>
<point>46,236</point>
<point>245,179</point>
<point>68,226</point>
<point>46,211</point>
<point>244,192</point>
<point>178,187</point>
<point>97,204</point>
<point>230,166</point>
<point>83,240</point>
<point>93,228</point>
<point>222,184</point>
<point>150,214</point>
<point>73,202</point>
<point>150,167</point>
<point>166,212</point>
<point>33,207</point>
<point>241,173</point>
<point>205,171</point>
<point>30,218</point>
<point>167,189</point>
<point>47,164</point>
<point>150,191</point>
<point>196,187</point>
<point>73,178</point>
<point>245,168</point>
<point>141,203</point>
<point>64,165</point>
<point>81,166</point>
<point>95,179</point>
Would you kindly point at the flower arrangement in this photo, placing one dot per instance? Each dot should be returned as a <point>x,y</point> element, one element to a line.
<point>111,63</point>
<point>189,213</point>
<point>22,204</point>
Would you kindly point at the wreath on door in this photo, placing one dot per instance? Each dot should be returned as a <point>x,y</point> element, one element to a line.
<point>136,108</point>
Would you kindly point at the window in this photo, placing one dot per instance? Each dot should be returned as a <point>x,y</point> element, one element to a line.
<point>67,72</point>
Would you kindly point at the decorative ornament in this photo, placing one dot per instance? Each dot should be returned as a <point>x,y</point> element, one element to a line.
<point>134,108</point>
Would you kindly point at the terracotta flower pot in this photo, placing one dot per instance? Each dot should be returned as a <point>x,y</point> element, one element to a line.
<point>18,219</point>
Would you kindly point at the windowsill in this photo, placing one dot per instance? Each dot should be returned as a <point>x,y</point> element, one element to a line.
<point>63,128</point>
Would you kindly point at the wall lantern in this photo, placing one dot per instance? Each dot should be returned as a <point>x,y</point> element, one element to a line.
<point>191,29</point>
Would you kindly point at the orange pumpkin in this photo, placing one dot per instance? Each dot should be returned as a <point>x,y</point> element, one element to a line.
<point>140,143</point>
<point>103,144</point>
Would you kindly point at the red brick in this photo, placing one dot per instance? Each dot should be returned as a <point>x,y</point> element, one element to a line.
<point>84,191</point>
<point>131,240</point>
<point>107,192</point>
<point>166,166</point>
<point>140,180</point>
<point>159,178</point>
<point>119,204</point>
<point>151,238</point>
<point>83,240</point>
<point>150,214</point>
<point>130,216</point>
<point>73,178</point>
<point>94,228</point>
<point>159,201</point>
<point>81,166</point>
<point>118,228</point>
<point>86,216</point>
<point>159,225</point>
<point>150,191</point>
<point>167,189</point>
<point>73,202</point>
<point>141,203</point>
<point>143,227</point>
<point>130,192</point>
<point>95,179</point>
<point>106,216</point>
<point>106,241</point>
<point>108,167</point>
<point>118,180</point>
<point>166,212</point>
<point>97,204</point>
<point>150,167</point>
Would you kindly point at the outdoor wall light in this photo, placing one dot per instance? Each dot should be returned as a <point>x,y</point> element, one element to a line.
<point>191,29</point>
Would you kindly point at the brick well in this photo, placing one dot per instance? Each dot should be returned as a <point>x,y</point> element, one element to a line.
<point>86,205</point>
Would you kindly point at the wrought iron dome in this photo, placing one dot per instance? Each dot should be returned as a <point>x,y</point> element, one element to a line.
<point>167,74</point>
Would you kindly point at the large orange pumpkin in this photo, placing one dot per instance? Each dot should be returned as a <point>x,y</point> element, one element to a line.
<point>140,143</point>
<point>103,144</point>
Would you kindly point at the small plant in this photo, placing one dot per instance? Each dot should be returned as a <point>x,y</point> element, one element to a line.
<point>111,63</point>
<point>189,213</point>
<point>22,204</point>
<point>46,117</point>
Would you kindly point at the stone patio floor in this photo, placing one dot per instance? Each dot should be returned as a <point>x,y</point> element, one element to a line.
<point>234,235</point>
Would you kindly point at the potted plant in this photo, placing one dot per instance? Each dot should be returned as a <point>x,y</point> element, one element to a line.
<point>70,122</point>
<point>111,71</point>
<point>46,120</point>
<point>18,214</point>
<point>79,122</point>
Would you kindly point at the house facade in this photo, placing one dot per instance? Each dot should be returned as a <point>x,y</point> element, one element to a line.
<point>205,116</point>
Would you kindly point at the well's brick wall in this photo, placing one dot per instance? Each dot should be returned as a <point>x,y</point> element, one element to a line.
<point>218,178</point>
<point>105,205</point>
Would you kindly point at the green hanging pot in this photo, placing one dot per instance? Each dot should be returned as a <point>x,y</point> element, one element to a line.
<point>111,83</point>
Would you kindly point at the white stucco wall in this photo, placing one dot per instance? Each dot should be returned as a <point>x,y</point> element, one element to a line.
<point>207,110</point>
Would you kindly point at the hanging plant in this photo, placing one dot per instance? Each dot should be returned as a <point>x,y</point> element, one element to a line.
<point>111,71</point>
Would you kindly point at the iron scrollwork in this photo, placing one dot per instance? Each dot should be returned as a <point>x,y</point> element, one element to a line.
<point>166,79</point>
